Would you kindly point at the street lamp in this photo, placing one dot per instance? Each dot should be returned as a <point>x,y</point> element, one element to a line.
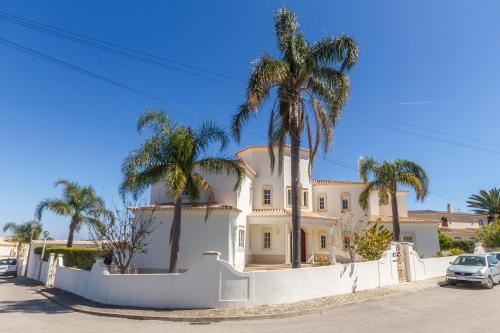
<point>45,235</point>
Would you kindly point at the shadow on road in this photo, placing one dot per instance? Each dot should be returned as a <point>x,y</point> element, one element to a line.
<point>32,306</point>
<point>38,305</point>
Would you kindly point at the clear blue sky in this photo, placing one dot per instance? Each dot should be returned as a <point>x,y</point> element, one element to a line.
<point>428,63</point>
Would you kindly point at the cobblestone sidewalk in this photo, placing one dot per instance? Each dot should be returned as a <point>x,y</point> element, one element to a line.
<point>317,305</point>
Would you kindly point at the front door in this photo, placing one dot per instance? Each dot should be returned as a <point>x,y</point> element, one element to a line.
<point>302,246</point>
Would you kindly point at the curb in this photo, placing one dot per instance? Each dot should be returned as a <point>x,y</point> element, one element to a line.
<point>213,319</point>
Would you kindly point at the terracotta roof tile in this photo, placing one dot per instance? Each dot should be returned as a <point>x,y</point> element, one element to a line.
<point>187,205</point>
<point>288,213</point>
<point>388,219</point>
<point>335,182</point>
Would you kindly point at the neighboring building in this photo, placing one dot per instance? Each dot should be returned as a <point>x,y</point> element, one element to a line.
<point>8,248</point>
<point>253,224</point>
<point>457,225</point>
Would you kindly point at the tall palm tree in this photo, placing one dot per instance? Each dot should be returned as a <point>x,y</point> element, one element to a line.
<point>81,203</point>
<point>175,155</point>
<point>21,233</point>
<point>386,178</point>
<point>313,72</point>
<point>486,202</point>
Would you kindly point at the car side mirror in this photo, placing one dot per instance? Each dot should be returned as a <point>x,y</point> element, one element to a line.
<point>451,262</point>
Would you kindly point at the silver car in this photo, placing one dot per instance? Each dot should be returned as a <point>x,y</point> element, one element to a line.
<point>481,269</point>
<point>8,267</point>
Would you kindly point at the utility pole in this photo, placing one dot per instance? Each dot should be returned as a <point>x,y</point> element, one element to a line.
<point>33,223</point>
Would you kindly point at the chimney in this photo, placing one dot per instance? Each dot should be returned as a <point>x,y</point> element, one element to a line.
<point>448,208</point>
<point>360,160</point>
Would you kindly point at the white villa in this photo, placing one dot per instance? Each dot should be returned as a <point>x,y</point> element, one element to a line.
<point>253,225</point>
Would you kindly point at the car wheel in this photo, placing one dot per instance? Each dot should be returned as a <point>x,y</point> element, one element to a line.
<point>452,282</point>
<point>489,284</point>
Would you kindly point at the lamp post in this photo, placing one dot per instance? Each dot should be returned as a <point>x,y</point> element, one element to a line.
<point>45,235</point>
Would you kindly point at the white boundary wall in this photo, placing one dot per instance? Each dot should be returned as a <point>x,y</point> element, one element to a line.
<point>420,269</point>
<point>215,283</point>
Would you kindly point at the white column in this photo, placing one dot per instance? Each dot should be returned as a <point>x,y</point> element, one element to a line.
<point>311,242</point>
<point>287,244</point>
<point>333,250</point>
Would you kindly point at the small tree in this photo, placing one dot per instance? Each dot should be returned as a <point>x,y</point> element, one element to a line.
<point>490,235</point>
<point>445,241</point>
<point>123,233</point>
<point>373,241</point>
<point>349,233</point>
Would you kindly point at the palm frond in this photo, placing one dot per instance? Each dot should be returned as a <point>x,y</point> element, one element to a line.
<point>341,50</point>
<point>155,119</point>
<point>219,165</point>
<point>210,132</point>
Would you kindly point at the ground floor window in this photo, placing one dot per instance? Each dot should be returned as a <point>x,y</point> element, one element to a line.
<point>267,240</point>
<point>408,238</point>
<point>322,241</point>
<point>241,238</point>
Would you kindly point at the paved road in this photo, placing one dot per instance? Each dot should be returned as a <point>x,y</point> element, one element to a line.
<point>441,309</point>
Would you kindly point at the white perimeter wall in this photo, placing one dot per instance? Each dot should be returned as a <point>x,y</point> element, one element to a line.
<point>215,283</point>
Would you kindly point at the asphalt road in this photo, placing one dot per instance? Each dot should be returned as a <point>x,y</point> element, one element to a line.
<point>441,309</point>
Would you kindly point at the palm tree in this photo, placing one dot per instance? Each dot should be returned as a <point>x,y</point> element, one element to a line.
<point>21,233</point>
<point>304,72</point>
<point>486,202</point>
<point>173,155</point>
<point>386,178</point>
<point>81,203</point>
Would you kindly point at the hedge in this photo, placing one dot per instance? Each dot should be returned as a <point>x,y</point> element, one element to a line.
<point>466,245</point>
<point>82,258</point>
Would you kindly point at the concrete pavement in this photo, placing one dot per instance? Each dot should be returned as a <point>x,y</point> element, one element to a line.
<point>440,309</point>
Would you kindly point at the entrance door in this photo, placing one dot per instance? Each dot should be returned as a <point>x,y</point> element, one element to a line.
<point>302,246</point>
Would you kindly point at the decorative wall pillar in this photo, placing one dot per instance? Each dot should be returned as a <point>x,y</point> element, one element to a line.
<point>333,246</point>
<point>286,234</point>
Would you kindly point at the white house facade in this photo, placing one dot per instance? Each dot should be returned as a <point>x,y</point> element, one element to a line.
<point>253,225</point>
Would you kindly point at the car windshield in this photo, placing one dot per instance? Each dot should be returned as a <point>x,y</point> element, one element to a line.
<point>470,261</point>
<point>4,261</point>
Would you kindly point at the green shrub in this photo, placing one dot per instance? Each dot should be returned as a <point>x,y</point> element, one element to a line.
<point>455,251</point>
<point>490,235</point>
<point>466,245</point>
<point>444,241</point>
<point>82,258</point>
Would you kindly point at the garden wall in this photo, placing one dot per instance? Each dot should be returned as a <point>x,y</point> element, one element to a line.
<point>215,283</point>
<point>420,269</point>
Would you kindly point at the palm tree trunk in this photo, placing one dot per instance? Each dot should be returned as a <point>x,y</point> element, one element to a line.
<point>175,236</point>
<point>395,217</point>
<point>295,188</point>
<point>71,235</point>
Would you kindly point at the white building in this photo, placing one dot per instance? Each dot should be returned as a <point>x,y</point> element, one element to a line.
<point>253,225</point>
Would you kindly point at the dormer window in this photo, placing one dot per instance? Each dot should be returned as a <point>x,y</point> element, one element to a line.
<point>267,195</point>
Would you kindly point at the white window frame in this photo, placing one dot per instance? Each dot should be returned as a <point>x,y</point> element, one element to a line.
<point>321,237</point>
<point>264,189</point>
<point>345,197</point>
<point>241,238</point>
<point>322,196</point>
<point>264,238</point>
<point>289,196</point>
<point>408,235</point>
